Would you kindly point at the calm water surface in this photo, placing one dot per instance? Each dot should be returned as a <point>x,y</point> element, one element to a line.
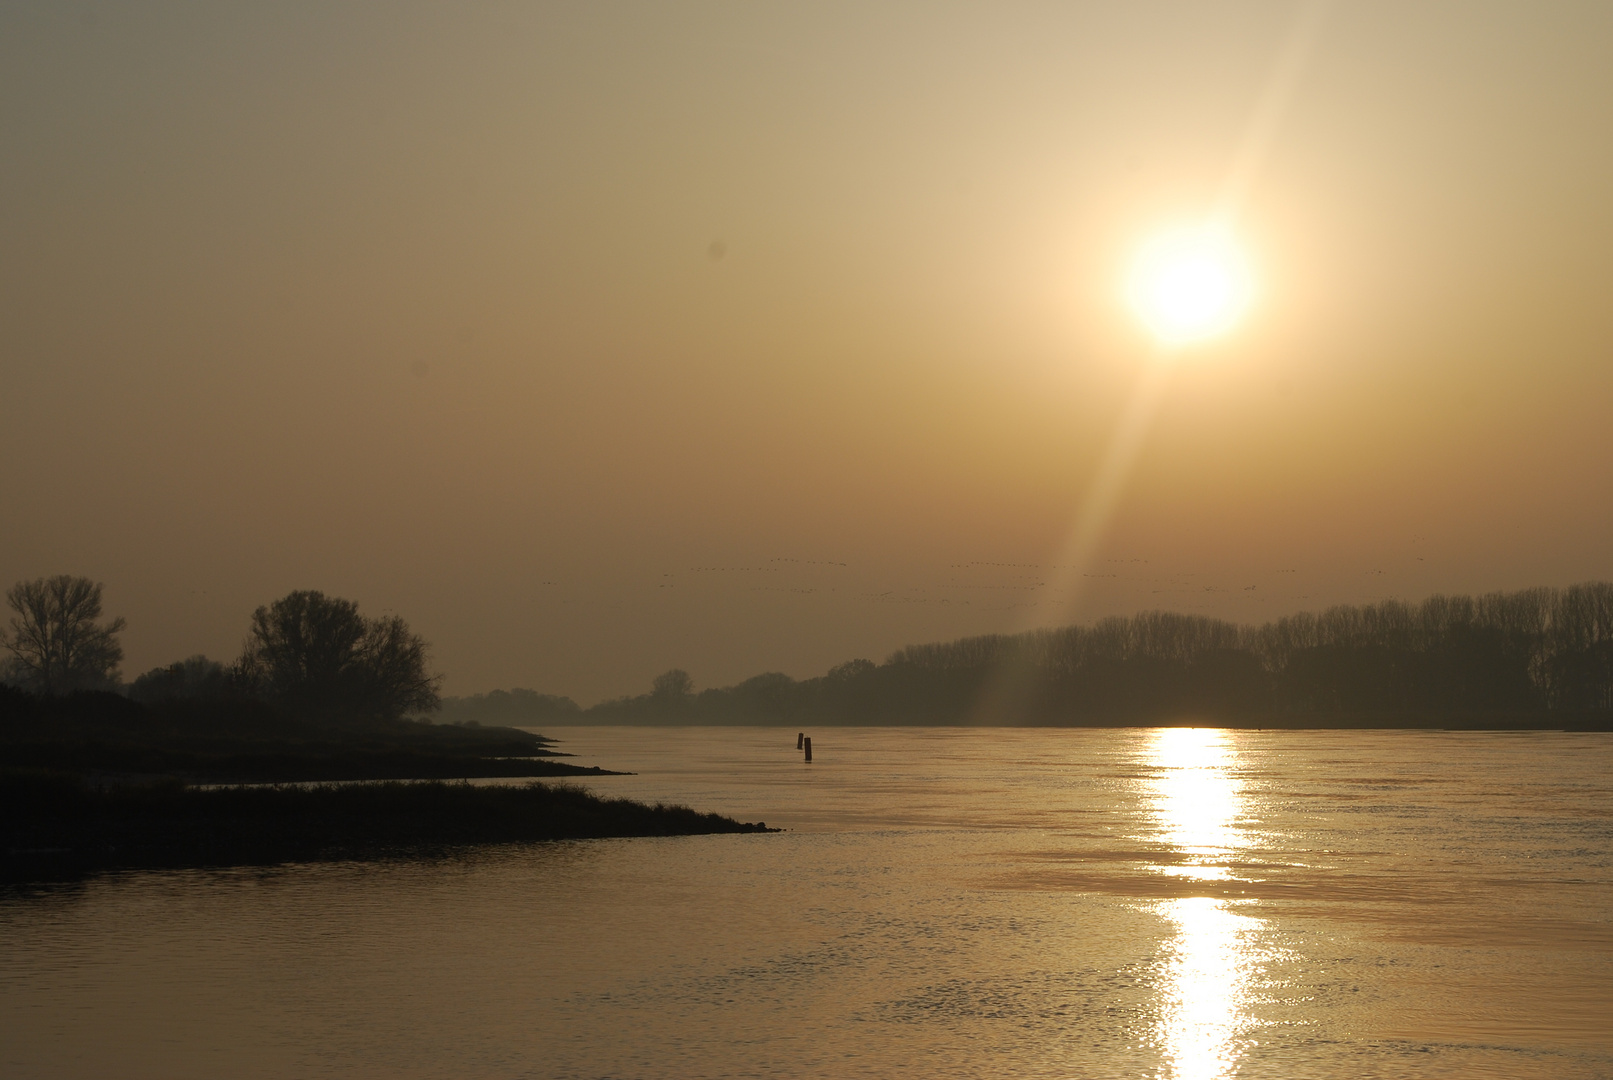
<point>1177,903</point>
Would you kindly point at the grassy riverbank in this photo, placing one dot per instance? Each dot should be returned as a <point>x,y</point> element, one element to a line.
<point>236,741</point>
<point>95,782</point>
<point>55,825</point>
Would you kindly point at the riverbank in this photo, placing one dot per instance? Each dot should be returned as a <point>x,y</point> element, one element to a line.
<point>57,825</point>
<point>103,736</point>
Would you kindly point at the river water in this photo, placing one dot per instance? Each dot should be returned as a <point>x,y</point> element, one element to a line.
<point>1163,903</point>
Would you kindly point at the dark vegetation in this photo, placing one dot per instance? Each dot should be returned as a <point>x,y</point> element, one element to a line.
<point>227,740</point>
<point>1535,658</point>
<point>306,655</point>
<point>56,825</point>
<point>311,654</point>
<point>525,708</point>
<point>56,643</point>
<point>318,695</point>
<point>91,778</point>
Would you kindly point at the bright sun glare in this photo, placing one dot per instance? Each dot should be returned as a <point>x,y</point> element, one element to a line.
<point>1190,284</point>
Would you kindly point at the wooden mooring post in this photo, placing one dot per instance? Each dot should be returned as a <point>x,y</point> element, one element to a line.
<point>800,737</point>
<point>807,746</point>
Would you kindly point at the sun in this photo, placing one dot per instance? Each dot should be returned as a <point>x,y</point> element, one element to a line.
<point>1190,284</point>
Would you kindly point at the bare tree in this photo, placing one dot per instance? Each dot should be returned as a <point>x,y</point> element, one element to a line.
<point>301,648</point>
<point>393,665</point>
<point>315,652</point>
<point>54,638</point>
<point>673,687</point>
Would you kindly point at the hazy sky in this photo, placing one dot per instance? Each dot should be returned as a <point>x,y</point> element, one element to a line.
<point>598,339</point>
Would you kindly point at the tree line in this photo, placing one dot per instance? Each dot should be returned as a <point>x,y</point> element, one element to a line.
<point>1535,651</point>
<point>306,654</point>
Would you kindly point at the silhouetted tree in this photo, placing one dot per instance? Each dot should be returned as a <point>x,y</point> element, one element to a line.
<point>56,644</point>
<point>391,670</point>
<point>1497,654</point>
<point>851,671</point>
<point>192,677</point>
<point>672,691</point>
<point>1579,671</point>
<point>672,686</point>
<point>515,706</point>
<point>309,651</point>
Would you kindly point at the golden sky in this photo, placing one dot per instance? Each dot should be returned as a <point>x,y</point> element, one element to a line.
<point>598,339</point>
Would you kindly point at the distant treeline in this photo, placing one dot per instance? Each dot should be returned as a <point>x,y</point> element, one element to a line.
<point>1542,653</point>
<point>526,707</point>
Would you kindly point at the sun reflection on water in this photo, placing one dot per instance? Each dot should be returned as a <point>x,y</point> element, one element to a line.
<point>1204,1015</point>
<point>1197,799</point>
